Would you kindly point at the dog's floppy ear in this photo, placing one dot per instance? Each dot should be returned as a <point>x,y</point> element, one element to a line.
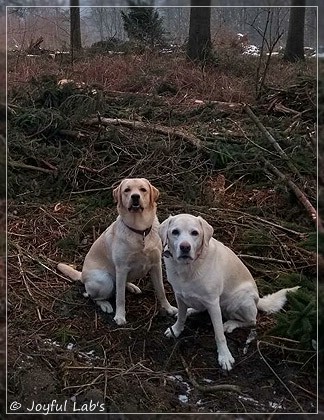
<point>154,194</point>
<point>208,230</point>
<point>163,230</point>
<point>117,193</point>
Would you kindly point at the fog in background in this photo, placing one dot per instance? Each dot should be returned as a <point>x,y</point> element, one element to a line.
<point>100,23</point>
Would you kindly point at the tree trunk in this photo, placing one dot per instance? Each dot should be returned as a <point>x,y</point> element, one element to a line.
<point>294,50</point>
<point>199,43</point>
<point>75,28</point>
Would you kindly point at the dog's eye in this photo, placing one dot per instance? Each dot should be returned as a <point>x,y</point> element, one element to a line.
<point>127,189</point>
<point>195,233</point>
<point>143,189</point>
<point>175,232</point>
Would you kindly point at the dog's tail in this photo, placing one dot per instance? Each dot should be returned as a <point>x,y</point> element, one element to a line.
<point>69,271</point>
<point>274,302</point>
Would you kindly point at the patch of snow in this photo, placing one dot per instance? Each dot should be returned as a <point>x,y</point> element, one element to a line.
<point>275,405</point>
<point>257,404</point>
<point>51,342</point>
<point>251,337</point>
<point>251,50</point>
<point>183,399</point>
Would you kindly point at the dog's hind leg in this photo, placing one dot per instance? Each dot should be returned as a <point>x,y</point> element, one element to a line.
<point>105,306</point>
<point>242,314</point>
<point>100,287</point>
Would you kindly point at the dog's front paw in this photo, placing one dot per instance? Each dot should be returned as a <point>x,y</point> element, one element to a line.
<point>226,360</point>
<point>171,310</point>
<point>120,320</point>
<point>133,288</point>
<point>172,332</point>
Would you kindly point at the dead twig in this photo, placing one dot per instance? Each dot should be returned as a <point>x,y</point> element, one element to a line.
<point>139,125</point>
<point>72,133</point>
<point>21,165</point>
<point>299,194</point>
<point>307,391</point>
<point>278,377</point>
<point>258,257</point>
<point>282,347</point>
<point>207,388</point>
<point>270,138</point>
<point>260,219</point>
<point>19,249</point>
<point>202,388</point>
<point>222,106</point>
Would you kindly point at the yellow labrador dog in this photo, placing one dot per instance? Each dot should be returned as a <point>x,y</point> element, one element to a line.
<point>206,275</point>
<point>127,250</point>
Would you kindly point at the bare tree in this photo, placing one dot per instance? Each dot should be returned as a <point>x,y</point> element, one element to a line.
<point>294,50</point>
<point>199,44</point>
<point>75,34</point>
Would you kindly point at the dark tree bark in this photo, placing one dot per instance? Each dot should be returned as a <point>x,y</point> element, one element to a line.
<point>294,50</point>
<point>75,27</point>
<point>199,44</point>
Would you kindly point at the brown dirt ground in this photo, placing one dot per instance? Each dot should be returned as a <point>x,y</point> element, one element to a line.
<point>63,348</point>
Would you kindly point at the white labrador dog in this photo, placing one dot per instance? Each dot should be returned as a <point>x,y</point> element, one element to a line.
<point>206,275</point>
<point>127,250</point>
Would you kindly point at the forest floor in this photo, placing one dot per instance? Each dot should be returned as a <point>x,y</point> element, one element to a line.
<point>196,141</point>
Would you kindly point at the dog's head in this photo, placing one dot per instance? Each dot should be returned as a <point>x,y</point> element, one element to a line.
<point>135,195</point>
<point>185,237</point>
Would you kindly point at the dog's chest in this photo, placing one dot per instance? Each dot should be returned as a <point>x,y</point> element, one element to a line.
<point>192,300</point>
<point>196,289</point>
<point>141,263</point>
<point>191,293</point>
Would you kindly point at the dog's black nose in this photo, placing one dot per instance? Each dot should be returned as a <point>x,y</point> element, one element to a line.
<point>185,247</point>
<point>135,198</point>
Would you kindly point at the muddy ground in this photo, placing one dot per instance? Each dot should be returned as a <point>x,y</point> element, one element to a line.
<point>61,348</point>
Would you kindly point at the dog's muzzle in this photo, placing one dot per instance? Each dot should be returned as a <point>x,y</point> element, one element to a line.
<point>185,249</point>
<point>135,204</point>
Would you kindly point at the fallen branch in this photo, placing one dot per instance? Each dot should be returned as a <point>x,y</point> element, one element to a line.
<point>259,257</point>
<point>21,251</point>
<point>202,388</point>
<point>277,376</point>
<point>138,125</point>
<point>21,165</point>
<point>299,194</point>
<point>207,388</point>
<point>72,133</point>
<point>270,138</point>
<point>260,219</point>
<point>222,106</point>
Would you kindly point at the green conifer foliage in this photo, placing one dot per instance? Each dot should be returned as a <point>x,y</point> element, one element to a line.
<point>143,24</point>
<point>299,321</point>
